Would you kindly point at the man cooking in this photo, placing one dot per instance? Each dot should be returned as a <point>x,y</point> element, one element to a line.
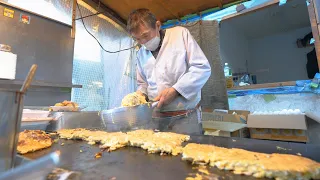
<point>171,69</point>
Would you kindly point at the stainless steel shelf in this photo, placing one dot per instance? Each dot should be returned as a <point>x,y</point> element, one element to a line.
<point>40,84</point>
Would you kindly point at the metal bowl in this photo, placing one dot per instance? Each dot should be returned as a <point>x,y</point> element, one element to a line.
<point>128,118</point>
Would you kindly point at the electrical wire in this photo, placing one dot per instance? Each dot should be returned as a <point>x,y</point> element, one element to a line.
<point>96,38</point>
<point>89,15</point>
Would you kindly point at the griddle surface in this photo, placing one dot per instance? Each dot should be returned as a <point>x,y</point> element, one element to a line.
<point>135,163</point>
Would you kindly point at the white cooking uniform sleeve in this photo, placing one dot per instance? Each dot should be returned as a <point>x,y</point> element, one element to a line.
<point>142,84</point>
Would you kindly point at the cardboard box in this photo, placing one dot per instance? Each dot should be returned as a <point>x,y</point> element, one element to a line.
<point>278,127</point>
<point>225,123</point>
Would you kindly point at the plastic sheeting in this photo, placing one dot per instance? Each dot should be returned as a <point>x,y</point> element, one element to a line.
<point>278,90</point>
<point>218,15</point>
<point>306,102</point>
<point>106,77</point>
<point>302,86</point>
<point>232,9</point>
<point>300,97</point>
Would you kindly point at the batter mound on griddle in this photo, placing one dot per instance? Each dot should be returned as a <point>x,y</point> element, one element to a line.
<point>33,140</point>
<point>259,165</point>
<point>133,99</point>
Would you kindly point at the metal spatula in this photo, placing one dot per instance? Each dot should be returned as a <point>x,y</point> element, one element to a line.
<point>127,118</point>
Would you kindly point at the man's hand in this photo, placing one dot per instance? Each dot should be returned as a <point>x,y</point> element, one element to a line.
<point>166,97</point>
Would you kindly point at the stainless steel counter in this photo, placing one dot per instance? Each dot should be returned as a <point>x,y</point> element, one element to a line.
<point>67,120</point>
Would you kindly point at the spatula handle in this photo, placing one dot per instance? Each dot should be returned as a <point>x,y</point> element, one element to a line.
<point>154,104</point>
<point>27,82</point>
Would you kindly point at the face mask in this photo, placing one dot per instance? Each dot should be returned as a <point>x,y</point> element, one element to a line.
<point>152,44</point>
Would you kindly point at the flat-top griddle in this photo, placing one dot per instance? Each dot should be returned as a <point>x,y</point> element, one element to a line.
<point>135,163</point>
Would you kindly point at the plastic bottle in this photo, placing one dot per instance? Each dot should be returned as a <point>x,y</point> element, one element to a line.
<point>228,75</point>
<point>315,81</point>
<point>227,70</point>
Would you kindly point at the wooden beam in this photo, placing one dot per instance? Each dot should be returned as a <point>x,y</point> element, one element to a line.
<point>315,28</point>
<point>74,14</point>
<point>107,12</point>
<point>220,4</point>
<point>317,10</point>
<point>253,9</point>
<point>167,8</point>
<point>265,85</point>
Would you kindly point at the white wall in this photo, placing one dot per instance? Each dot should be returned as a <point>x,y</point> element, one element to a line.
<point>276,58</point>
<point>233,47</point>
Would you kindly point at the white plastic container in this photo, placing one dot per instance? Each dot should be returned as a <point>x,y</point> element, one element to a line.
<point>34,114</point>
<point>8,65</point>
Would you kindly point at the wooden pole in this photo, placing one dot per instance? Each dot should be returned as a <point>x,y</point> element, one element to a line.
<point>315,27</point>
<point>74,13</point>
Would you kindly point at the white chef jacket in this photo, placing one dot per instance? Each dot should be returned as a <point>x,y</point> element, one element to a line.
<point>180,64</point>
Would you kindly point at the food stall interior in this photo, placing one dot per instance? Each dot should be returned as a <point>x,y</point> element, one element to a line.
<point>263,43</point>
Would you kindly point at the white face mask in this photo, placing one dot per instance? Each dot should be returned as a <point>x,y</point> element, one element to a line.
<point>152,44</point>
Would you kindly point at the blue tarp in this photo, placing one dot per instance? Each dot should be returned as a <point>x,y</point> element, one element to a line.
<point>232,9</point>
<point>301,87</point>
<point>278,90</point>
<point>218,15</point>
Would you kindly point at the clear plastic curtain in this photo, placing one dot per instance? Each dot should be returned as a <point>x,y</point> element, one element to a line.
<point>106,77</point>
